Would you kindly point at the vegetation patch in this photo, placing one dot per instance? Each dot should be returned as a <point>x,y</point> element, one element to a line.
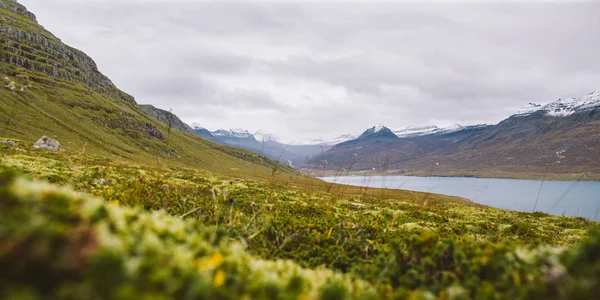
<point>172,232</point>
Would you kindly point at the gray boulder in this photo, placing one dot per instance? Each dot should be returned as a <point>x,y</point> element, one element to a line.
<point>47,143</point>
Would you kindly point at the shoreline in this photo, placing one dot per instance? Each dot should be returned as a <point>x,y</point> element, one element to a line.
<point>460,176</point>
<point>486,201</point>
<point>494,175</point>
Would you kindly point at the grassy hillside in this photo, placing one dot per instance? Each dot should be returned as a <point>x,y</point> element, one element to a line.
<point>51,89</point>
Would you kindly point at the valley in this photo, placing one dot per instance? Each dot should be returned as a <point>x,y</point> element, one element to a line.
<point>105,198</point>
<point>555,141</point>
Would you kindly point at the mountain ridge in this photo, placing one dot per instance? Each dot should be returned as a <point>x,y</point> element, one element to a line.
<point>523,143</point>
<point>51,89</point>
<point>27,44</point>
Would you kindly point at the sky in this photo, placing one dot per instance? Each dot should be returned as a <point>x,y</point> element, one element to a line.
<point>307,70</point>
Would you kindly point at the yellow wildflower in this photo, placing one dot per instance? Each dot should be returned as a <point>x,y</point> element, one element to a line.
<point>219,279</point>
<point>388,289</point>
<point>113,202</point>
<point>211,262</point>
<point>304,297</point>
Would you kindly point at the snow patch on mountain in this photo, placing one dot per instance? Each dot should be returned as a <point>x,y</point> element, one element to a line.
<point>409,131</point>
<point>451,129</point>
<point>528,109</point>
<point>564,107</point>
<point>263,136</point>
<point>236,133</point>
<point>327,142</point>
<point>197,126</point>
<point>415,131</point>
<point>378,128</point>
<point>402,132</point>
<point>374,129</point>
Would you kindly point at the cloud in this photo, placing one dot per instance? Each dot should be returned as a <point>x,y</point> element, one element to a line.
<point>312,70</point>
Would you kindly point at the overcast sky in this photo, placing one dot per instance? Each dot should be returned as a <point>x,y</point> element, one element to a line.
<point>317,70</point>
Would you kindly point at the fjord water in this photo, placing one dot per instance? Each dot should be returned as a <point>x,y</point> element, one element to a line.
<point>569,198</point>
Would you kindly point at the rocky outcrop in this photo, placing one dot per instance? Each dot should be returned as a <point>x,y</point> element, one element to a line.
<point>131,127</point>
<point>166,117</point>
<point>15,7</point>
<point>24,43</point>
<point>47,143</point>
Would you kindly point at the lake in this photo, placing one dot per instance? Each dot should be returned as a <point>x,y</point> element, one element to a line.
<point>569,198</point>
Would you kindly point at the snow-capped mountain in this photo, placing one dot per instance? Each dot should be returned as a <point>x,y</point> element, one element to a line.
<point>414,131</point>
<point>376,128</point>
<point>377,131</point>
<point>563,107</point>
<point>528,109</point>
<point>402,132</point>
<point>233,133</point>
<point>197,125</point>
<point>409,131</point>
<point>327,142</point>
<point>263,136</point>
<point>524,142</point>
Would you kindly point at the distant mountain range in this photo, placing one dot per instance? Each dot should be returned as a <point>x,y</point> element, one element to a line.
<point>263,143</point>
<point>563,134</point>
<point>562,137</point>
<point>51,89</point>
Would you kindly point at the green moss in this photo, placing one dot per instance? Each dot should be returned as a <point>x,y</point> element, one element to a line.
<point>75,246</point>
<point>393,246</point>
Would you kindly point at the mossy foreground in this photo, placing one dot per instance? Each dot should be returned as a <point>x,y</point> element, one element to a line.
<point>159,233</point>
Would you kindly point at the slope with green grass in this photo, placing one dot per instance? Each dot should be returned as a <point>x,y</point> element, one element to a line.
<point>251,240</point>
<point>54,90</point>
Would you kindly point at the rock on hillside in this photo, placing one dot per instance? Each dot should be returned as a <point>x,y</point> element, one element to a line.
<point>47,143</point>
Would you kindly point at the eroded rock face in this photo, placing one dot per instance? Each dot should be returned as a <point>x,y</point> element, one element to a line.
<point>47,143</point>
<point>166,117</point>
<point>15,7</point>
<point>28,45</point>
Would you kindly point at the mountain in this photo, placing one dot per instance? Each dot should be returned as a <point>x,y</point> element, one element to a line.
<point>233,133</point>
<point>414,131</point>
<point>326,143</point>
<point>166,117</point>
<point>377,131</point>
<point>263,143</point>
<point>263,136</point>
<point>379,147</point>
<point>239,138</point>
<point>403,132</point>
<point>560,138</point>
<point>564,107</point>
<point>51,89</point>
<point>207,135</point>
